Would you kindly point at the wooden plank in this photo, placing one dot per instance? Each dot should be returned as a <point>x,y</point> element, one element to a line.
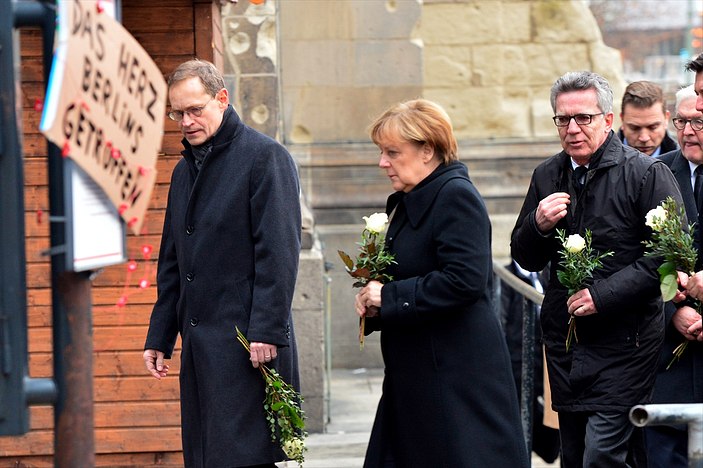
<point>163,19</point>
<point>161,43</point>
<point>145,388</point>
<point>111,363</point>
<point>101,296</point>
<point>36,170</point>
<point>111,460</point>
<point>38,196</point>
<point>146,439</point>
<point>38,226</point>
<point>118,415</point>
<point>103,315</point>
<point>126,337</point>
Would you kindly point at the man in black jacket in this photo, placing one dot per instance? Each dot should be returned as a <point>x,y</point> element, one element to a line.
<point>598,184</point>
<point>644,119</point>
<point>667,446</point>
<point>229,258</point>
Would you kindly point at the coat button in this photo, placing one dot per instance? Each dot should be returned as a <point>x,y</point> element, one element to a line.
<point>190,229</point>
<point>405,305</point>
<point>190,276</point>
<point>194,322</point>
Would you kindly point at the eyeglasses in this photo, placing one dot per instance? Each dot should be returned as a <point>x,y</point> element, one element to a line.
<point>696,124</point>
<point>192,112</point>
<point>580,119</point>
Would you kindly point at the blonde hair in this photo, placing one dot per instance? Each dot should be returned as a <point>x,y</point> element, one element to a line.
<point>419,121</point>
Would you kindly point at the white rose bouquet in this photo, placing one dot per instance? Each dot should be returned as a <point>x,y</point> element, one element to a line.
<point>672,240</point>
<point>285,417</point>
<point>372,260</point>
<point>578,263</point>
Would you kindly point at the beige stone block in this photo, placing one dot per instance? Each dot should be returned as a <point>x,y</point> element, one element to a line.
<point>390,62</point>
<point>447,66</point>
<point>541,109</point>
<point>516,22</point>
<point>317,63</point>
<point>485,112</point>
<point>316,19</point>
<point>328,114</point>
<point>561,21</point>
<point>547,62</point>
<point>385,19</point>
<point>478,22</point>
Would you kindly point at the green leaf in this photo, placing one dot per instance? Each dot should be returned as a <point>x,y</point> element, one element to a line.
<point>276,406</point>
<point>666,268</point>
<point>668,286</point>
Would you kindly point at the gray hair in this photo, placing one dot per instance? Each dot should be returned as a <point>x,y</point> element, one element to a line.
<point>583,80</point>
<point>684,93</point>
<point>209,75</point>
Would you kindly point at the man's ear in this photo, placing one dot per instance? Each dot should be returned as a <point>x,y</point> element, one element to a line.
<point>222,96</point>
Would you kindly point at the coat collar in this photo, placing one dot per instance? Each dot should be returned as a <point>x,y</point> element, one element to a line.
<point>419,200</point>
<point>682,173</point>
<point>230,127</point>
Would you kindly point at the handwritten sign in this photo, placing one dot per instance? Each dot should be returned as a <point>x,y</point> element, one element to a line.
<point>105,106</point>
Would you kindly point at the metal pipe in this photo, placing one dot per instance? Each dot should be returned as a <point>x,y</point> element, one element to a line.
<point>527,383</point>
<point>670,414</point>
<point>40,391</point>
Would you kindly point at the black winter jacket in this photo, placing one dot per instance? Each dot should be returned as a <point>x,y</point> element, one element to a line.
<point>611,367</point>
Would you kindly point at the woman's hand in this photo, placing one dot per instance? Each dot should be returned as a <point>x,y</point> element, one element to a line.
<point>368,299</point>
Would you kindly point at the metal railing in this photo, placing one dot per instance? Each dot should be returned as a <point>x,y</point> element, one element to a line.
<point>527,387</point>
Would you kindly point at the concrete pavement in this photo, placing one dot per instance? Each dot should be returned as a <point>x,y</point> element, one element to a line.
<point>354,395</point>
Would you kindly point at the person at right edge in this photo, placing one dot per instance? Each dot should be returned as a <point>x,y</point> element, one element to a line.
<point>448,395</point>
<point>667,446</point>
<point>596,183</point>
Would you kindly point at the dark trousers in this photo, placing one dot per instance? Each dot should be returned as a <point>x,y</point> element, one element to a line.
<point>667,446</point>
<point>599,440</point>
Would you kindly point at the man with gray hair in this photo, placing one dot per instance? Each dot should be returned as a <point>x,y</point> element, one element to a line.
<point>596,184</point>
<point>667,446</point>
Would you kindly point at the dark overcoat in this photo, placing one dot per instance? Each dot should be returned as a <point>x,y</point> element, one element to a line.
<point>683,382</point>
<point>229,257</point>
<point>612,365</point>
<point>448,394</point>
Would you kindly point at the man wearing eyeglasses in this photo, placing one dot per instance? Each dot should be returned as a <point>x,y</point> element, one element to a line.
<point>644,119</point>
<point>598,184</point>
<point>229,257</point>
<point>667,446</point>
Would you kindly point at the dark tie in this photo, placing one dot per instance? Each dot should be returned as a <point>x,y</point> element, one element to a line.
<point>580,177</point>
<point>697,186</point>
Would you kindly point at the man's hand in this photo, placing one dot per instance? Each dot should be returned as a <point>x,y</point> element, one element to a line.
<point>581,304</point>
<point>697,330</point>
<point>154,361</point>
<point>694,285</point>
<point>550,210</point>
<point>683,319</point>
<point>261,353</point>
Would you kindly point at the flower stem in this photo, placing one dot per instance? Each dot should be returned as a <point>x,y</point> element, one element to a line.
<point>362,326</point>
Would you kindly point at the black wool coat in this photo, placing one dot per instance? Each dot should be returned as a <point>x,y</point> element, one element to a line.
<point>448,394</point>
<point>683,381</point>
<point>612,365</point>
<point>229,257</point>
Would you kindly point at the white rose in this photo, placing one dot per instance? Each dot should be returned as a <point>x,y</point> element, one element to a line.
<point>376,223</point>
<point>655,218</point>
<point>294,448</point>
<point>575,243</point>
